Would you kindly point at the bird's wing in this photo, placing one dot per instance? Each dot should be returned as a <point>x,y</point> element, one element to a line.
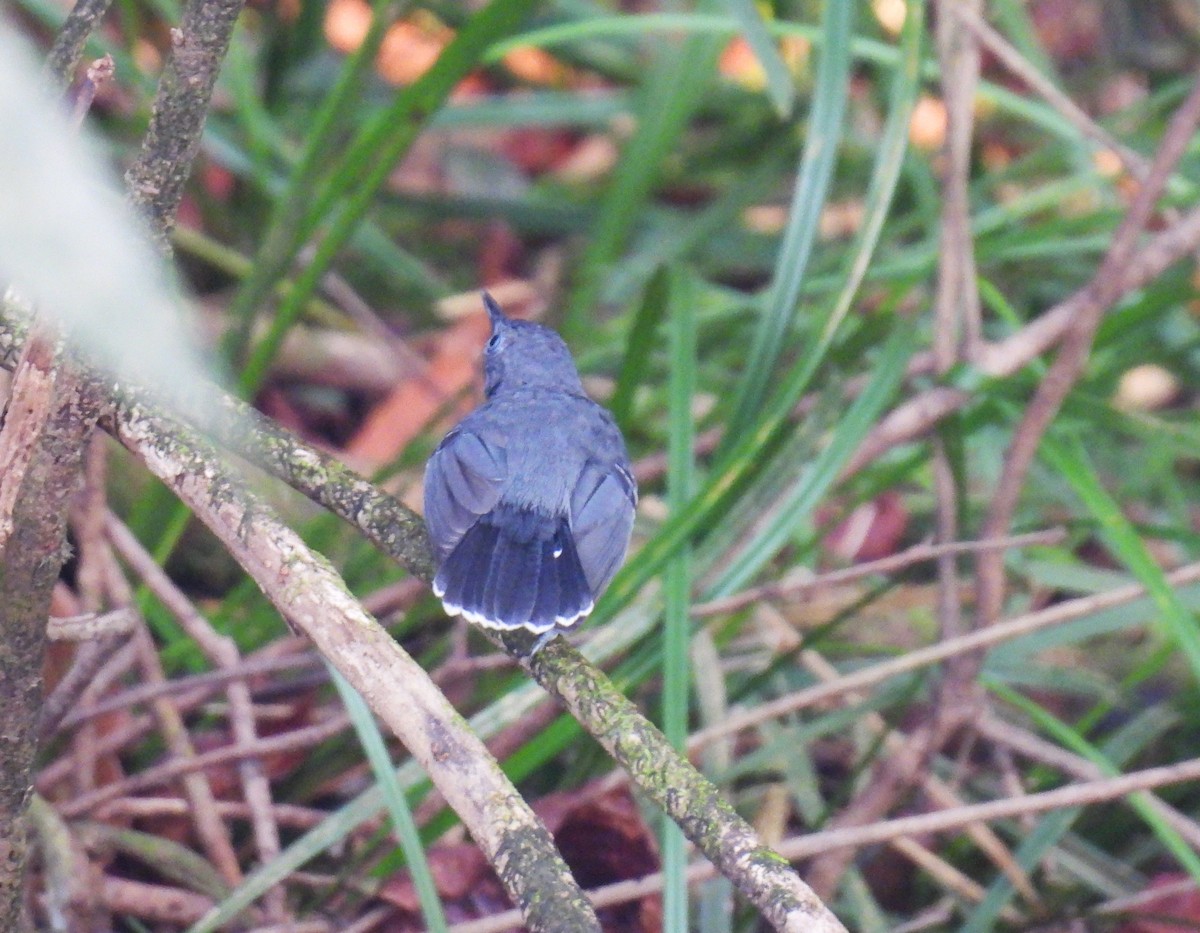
<point>463,480</point>
<point>602,507</point>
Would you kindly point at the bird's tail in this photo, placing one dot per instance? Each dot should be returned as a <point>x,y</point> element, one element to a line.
<point>516,568</point>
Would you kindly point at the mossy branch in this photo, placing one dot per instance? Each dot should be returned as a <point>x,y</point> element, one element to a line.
<point>162,168</point>
<point>670,780</point>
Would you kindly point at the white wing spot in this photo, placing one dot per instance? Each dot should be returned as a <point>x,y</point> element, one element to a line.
<point>558,552</point>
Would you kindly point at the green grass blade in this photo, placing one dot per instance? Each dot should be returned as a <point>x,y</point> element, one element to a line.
<point>886,174</point>
<point>808,200</point>
<point>403,824</point>
<point>1070,460</point>
<point>1076,742</point>
<point>284,233</point>
<point>369,160</point>
<point>884,179</point>
<point>673,89</point>
<point>686,237</point>
<point>1010,103</point>
<point>822,473</point>
<point>780,87</point>
<point>638,345</point>
<point>1013,19</point>
<point>649,24</point>
<point>681,332</point>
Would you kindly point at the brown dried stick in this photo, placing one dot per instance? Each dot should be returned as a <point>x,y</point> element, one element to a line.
<point>223,652</point>
<point>1073,795</point>
<point>792,588</point>
<point>957,304</point>
<point>185,767</point>
<point>285,814</point>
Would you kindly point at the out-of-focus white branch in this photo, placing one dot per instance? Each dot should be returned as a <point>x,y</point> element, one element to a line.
<point>71,245</point>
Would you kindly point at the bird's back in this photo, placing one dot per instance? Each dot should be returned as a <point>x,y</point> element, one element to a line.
<point>529,500</point>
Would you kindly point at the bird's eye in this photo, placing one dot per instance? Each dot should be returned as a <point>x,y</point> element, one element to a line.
<point>493,342</point>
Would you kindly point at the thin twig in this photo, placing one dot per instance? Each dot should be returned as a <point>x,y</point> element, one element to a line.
<point>89,660</point>
<point>72,37</point>
<point>1073,795</point>
<point>181,767</point>
<point>918,553</point>
<point>201,687</point>
<point>92,625</point>
<point>134,728</point>
<point>223,652</point>
<point>1150,897</point>
<point>957,305</point>
<point>1135,163</point>
<point>1038,749</point>
<point>284,814</point>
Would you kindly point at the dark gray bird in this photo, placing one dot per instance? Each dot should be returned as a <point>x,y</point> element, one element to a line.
<point>529,501</point>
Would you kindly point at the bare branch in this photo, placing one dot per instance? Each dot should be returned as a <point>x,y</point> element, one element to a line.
<point>199,45</point>
<point>41,444</point>
<point>68,46</point>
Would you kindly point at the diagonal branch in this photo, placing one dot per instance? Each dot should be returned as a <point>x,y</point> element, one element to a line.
<point>913,418</point>
<point>1104,290</point>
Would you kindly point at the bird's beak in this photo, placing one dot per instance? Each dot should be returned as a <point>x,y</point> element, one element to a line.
<point>495,312</point>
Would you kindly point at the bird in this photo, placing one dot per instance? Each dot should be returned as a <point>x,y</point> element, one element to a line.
<point>530,499</point>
